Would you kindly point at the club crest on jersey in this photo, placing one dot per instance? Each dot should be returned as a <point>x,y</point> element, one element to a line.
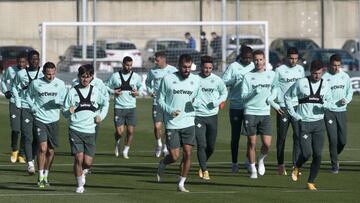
<point>174,82</point>
<point>56,85</point>
<point>252,78</point>
<point>192,83</point>
<point>286,72</point>
<point>212,81</point>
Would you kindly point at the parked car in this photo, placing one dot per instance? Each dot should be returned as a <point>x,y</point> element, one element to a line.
<point>253,41</point>
<point>72,59</point>
<point>172,47</point>
<point>8,55</point>
<point>303,45</point>
<point>353,47</point>
<point>348,62</point>
<point>116,50</point>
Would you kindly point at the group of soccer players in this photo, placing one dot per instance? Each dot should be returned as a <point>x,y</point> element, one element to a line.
<point>187,104</point>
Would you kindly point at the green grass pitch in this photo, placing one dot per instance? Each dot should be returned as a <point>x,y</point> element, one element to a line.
<point>134,180</point>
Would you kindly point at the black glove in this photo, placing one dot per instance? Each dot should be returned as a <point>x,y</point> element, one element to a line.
<point>8,95</point>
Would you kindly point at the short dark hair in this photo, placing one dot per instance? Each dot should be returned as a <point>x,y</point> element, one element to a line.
<point>335,57</point>
<point>161,54</point>
<point>86,68</point>
<point>127,59</point>
<point>245,50</point>
<point>259,52</point>
<point>48,65</point>
<point>32,53</point>
<point>187,33</point>
<point>316,65</point>
<point>206,59</point>
<point>184,58</point>
<point>203,33</point>
<point>22,55</point>
<point>213,33</point>
<point>292,50</point>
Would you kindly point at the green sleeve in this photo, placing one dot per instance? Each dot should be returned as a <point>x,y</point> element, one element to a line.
<point>149,83</point>
<point>289,97</point>
<point>161,96</point>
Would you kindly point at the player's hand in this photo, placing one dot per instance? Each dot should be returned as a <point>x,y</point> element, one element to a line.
<point>8,95</point>
<point>280,111</point>
<point>97,119</point>
<point>222,105</point>
<point>342,102</point>
<point>117,92</point>
<point>176,113</point>
<point>153,95</point>
<point>134,92</point>
<point>210,106</point>
<point>72,109</point>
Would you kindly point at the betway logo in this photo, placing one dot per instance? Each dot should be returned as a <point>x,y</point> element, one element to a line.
<point>47,94</point>
<point>210,90</point>
<point>182,92</point>
<point>291,79</point>
<point>338,87</point>
<point>261,85</point>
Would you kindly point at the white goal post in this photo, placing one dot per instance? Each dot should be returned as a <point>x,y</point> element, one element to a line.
<point>45,25</point>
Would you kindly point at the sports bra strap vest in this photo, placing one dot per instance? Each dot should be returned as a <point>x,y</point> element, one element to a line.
<point>29,77</point>
<point>85,103</point>
<point>125,85</point>
<point>313,98</point>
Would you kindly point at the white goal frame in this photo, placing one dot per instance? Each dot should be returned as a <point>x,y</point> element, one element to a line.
<point>43,30</point>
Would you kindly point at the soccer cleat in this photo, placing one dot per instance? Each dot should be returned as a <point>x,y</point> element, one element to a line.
<point>41,184</point>
<point>117,149</point>
<point>253,175</point>
<point>247,166</point>
<point>311,186</point>
<point>31,170</point>
<point>206,175</point>
<point>281,170</point>
<point>125,155</point>
<point>46,182</point>
<point>200,173</point>
<point>80,190</point>
<point>261,168</point>
<point>21,159</point>
<point>158,151</point>
<point>235,168</point>
<point>335,168</point>
<point>295,174</point>
<point>182,189</point>
<point>160,171</point>
<point>14,156</point>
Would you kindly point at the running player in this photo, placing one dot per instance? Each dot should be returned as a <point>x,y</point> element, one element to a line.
<point>233,77</point>
<point>14,112</point>
<point>335,117</point>
<point>125,85</point>
<point>85,107</point>
<point>314,96</point>
<point>152,82</point>
<point>285,76</point>
<point>256,89</point>
<point>45,97</point>
<point>213,94</point>
<point>176,97</point>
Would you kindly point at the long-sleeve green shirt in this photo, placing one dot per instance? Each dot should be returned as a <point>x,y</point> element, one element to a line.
<point>7,80</point>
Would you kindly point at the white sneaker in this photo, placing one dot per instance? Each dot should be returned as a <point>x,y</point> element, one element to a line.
<point>117,149</point>
<point>261,168</point>
<point>31,169</point>
<point>235,168</point>
<point>158,151</point>
<point>125,155</point>
<point>182,189</point>
<point>160,171</point>
<point>253,175</point>
<point>80,189</point>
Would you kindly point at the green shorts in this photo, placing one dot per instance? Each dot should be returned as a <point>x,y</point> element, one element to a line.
<point>82,142</point>
<point>176,138</point>
<point>157,114</point>
<point>125,117</point>
<point>257,125</point>
<point>47,132</point>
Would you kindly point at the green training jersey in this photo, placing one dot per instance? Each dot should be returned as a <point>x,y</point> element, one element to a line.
<point>285,77</point>
<point>154,77</point>
<point>256,89</point>
<point>307,112</point>
<point>125,100</point>
<point>21,84</point>
<point>341,88</point>
<point>178,94</point>
<point>45,99</point>
<point>213,92</point>
<point>84,121</point>
<point>96,82</point>
<point>8,79</point>
<point>233,77</point>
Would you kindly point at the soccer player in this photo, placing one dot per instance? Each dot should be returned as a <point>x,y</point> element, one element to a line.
<point>125,85</point>
<point>22,81</point>
<point>213,94</point>
<point>285,76</point>
<point>45,96</point>
<point>335,117</point>
<point>256,89</point>
<point>233,77</point>
<point>152,82</point>
<point>314,96</point>
<point>14,112</point>
<point>86,107</point>
<point>176,97</point>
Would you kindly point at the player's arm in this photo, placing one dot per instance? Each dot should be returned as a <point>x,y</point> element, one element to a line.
<point>292,93</point>
<point>15,89</point>
<point>138,87</point>
<point>228,76</point>
<point>104,108</point>
<point>349,91</point>
<point>68,108</point>
<point>247,91</point>
<point>223,93</point>
<point>161,95</point>
<point>30,97</point>
<point>149,83</point>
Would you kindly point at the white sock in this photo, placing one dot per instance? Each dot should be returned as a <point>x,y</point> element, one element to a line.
<point>182,181</point>
<point>46,172</point>
<point>165,149</point>
<point>159,142</point>
<point>79,181</point>
<point>262,157</point>
<point>253,168</point>
<point>126,149</point>
<point>41,173</point>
